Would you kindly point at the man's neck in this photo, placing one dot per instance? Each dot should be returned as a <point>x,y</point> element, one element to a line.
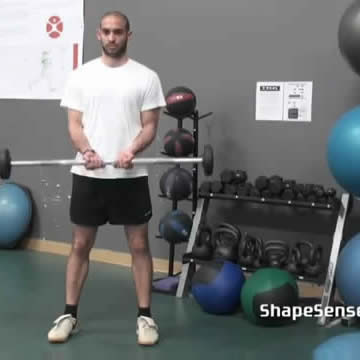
<point>114,62</point>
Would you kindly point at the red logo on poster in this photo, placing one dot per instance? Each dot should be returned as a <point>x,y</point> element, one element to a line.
<point>54,27</point>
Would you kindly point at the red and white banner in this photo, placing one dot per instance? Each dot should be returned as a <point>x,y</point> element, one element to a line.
<point>42,42</point>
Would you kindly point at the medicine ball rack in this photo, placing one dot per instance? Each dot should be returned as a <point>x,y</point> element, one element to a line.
<point>189,264</point>
<point>194,198</point>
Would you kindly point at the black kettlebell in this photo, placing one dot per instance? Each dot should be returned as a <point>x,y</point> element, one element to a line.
<point>203,249</point>
<point>306,249</point>
<point>314,265</point>
<point>294,261</point>
<point>276,253</point>
<point>247,249</point>
<point>226,238</point>
<point>259,253</point>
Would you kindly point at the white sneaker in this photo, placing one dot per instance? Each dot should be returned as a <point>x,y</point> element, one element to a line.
<point>147,331</point>
<point>64,326</point>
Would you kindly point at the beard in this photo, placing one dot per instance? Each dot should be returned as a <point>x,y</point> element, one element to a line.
<point>115,53</point>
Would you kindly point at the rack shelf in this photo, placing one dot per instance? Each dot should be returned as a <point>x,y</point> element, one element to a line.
<point>269,201</point>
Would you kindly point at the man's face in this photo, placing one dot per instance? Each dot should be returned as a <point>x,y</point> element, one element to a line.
<point>113,36</point>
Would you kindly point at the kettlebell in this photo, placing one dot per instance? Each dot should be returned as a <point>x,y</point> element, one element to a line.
<point>294,261</point>
<point>276,253</point>
<point>247,249</point>
<point>226,240</point>
<point>314,265</point>
<point>203,249</point>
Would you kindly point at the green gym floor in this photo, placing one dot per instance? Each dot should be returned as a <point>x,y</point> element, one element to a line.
<point>32,293</point>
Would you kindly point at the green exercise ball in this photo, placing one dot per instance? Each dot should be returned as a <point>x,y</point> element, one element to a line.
<point>276,290</point>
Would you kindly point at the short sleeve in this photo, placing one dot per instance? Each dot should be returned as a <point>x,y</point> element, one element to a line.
<point>73,97</point>
<point>153,95</point>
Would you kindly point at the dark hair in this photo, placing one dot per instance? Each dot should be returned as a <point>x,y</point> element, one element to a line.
<point>118,14</point>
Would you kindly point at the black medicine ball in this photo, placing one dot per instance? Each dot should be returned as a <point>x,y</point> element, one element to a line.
<point>176,183</point>
<point>180,101</point>
<point>179,142</point>
<point>175,227</point>
<point>349,36</point>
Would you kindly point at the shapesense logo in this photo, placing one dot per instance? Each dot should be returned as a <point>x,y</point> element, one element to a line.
<point>294,312</point>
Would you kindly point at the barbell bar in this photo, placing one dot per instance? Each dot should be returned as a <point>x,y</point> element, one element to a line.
<point>207,161</point>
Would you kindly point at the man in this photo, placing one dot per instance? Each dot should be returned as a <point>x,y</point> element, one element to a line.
<point>113,107</point>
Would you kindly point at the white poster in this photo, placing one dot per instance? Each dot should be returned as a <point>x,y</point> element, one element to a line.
<point>284,101</point>
<point>269,100</point>
<point>41,43</point>
<point>298,101</point>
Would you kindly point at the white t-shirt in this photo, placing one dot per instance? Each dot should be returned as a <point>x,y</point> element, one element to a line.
<point>111,100</point>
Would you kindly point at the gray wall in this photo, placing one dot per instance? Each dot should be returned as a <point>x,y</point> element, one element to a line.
<point>220,50</point>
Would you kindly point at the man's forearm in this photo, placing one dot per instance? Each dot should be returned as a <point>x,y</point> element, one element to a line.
<point>144,139</point>
<point>78,138</point>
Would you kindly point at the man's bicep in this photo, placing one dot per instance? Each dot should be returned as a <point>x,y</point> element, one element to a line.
<point>150,117</point>
<point>74,117</point>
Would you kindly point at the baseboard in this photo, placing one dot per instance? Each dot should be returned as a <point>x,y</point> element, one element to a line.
<point>100,255</point>
<point>124,259</point>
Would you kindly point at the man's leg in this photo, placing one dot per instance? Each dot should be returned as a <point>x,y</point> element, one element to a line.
<point>78,262</point>
<point>142,267</point>
<point>76,274</point>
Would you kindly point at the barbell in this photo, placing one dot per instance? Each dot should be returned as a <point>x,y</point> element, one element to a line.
<point>207,161</point>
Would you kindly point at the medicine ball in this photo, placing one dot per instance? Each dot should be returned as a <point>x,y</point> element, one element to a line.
<point>342,151</point>
<point>15,214</point>
<point>180,102</point>
<point>349,36</point>
<point>179,142</point>
<point>175,227</point>
<point>216,287</point>
<point>276,290</point>
<point>176,183</point>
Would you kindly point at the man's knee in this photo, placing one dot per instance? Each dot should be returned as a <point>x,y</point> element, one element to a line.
<point>139,247</point>
<point>83,242</point>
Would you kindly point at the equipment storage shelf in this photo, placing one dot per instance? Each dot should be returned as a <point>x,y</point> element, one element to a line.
<point>338,209</point>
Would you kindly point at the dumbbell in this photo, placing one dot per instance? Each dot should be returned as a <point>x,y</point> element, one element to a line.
<point>261,182</point>
<point>276,185</point>
<point>244,189</point>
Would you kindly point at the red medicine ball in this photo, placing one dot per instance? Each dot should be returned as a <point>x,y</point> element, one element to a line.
<point>179,142</point>
<point>180,102</point>
<point>176,183</point>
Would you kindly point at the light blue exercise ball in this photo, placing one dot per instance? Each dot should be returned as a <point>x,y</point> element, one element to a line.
<point>347,273</point>
<point>15,214</point>
<point>344,347</point>
<point>343,151</point>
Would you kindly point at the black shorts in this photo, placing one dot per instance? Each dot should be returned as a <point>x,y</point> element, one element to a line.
<point>95,202</point>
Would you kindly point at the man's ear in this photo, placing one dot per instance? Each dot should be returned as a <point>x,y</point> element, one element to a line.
<point>98,34</point>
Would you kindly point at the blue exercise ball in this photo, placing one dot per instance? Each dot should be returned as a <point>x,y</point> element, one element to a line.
<point>216,287</point>
<point>343,152</point>
<point>15,214</point>
<point>347,273</point>
<point>344,347</point>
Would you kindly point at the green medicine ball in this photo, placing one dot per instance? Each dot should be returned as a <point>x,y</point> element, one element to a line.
<point>276,290</point>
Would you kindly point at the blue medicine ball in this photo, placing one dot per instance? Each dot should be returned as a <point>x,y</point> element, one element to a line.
<point>216,287</point>
<point>344,347</point>
<point>15,214</point>
<point>343,152</point>
<point>347,273</point>
<point>175,227</point>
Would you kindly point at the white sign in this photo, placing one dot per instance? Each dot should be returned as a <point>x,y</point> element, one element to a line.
<point>297,101</point>
<point>42,42</point>
<point>284,101</point>
<point>269,100</point>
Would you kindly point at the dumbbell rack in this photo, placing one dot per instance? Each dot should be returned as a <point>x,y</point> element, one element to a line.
<point>194,198</point>
<point>189,265</point>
